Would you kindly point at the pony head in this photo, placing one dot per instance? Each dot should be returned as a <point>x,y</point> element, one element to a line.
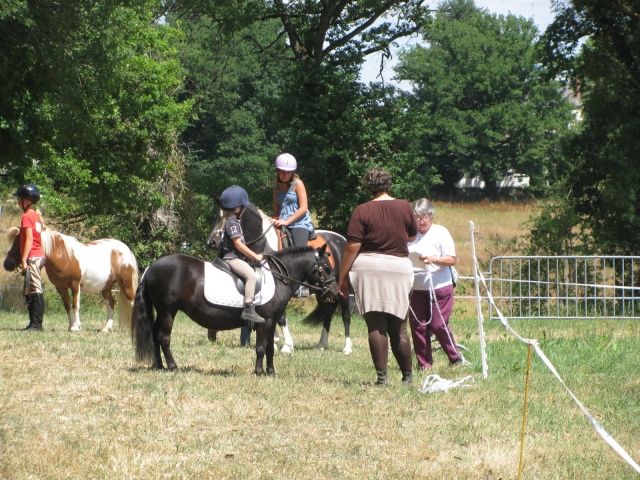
<point>12,260</point>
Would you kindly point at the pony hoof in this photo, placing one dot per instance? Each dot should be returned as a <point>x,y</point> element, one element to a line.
<point>347,351</point>
<point>321,346</point>
<point>286,349</point>
<point>106,329</point>
<point>75,328</point>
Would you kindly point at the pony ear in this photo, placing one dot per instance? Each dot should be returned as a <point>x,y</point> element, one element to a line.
<point>322,250</point>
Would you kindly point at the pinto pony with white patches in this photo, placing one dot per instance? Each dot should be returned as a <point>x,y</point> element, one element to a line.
<point>91,267</point>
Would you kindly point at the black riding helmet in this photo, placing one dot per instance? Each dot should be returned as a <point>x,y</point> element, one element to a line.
<point>30,192</point>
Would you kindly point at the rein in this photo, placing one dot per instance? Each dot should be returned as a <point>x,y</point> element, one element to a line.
<point>261,236</point>
<point>281,267</point>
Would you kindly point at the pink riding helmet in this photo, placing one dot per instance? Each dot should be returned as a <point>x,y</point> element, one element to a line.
<point>286,162</point>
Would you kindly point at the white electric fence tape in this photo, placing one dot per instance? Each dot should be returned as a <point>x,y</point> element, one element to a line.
<point>601,431</point>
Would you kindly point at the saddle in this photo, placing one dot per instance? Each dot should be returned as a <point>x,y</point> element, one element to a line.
<point>238,281</point>
<point>285,240</point>
<point>223,287</point>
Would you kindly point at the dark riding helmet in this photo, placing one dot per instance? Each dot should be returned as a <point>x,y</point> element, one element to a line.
<point>30,192</point>
<point>233,197</point>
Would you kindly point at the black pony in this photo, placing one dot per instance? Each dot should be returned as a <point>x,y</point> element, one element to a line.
<point>176,282</point>
<point>261,237</point>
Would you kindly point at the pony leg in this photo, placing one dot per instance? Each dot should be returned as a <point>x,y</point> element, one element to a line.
<point>348,347</point>
<point>108,301</point>
<point>262,345</point>
<point>288,341</point>
<point>125,302</point>
<point>162,339</point>
<point>345,305</point>
<point>271,349</point>
<point>323,344</point>
<point>76,326</point>
<point>64,295</point>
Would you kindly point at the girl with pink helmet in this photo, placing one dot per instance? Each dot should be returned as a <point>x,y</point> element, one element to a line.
<point>290,205</point>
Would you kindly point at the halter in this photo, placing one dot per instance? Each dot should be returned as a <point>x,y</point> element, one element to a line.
<point>283,273</point>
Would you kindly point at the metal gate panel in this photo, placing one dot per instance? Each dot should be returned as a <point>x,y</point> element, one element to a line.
<point>565,286</point>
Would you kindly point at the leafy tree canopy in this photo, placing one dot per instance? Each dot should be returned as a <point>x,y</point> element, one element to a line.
<point>480,103</point>
<point>602,178</point>
<point>88,111</point>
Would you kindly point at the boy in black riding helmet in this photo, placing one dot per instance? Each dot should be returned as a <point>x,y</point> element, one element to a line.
<point>232,201</point>
<point>31,255</point>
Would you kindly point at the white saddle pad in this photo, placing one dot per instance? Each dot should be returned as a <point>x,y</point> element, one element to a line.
<point>220,288</point>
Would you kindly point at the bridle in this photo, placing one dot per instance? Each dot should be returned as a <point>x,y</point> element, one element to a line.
<point>280,269</point>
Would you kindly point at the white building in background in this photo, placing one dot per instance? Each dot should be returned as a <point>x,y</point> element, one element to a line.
<point>511,180</point>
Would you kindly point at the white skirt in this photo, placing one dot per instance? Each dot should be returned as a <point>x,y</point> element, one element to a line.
<point>382,283</point>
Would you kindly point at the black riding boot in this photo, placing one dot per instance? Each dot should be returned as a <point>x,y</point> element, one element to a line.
<point>35,307</point>
<point>382,377</point>
<point>407,378</point>
<point>250,316</point>
<point>28,302</point>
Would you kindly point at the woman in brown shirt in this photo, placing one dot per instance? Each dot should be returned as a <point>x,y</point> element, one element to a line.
<point>376,263</point>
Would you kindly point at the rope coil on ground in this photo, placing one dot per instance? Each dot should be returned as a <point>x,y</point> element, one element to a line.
<point>435,383</point>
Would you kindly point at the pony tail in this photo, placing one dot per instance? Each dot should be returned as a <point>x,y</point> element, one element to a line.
<point>127,295</point>
<point>142,320</point>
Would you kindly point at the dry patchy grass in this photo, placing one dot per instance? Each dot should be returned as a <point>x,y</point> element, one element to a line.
<point>79,406</point>
<point>497,227</point>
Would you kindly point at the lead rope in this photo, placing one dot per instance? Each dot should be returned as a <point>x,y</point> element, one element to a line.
<point>434,300</point>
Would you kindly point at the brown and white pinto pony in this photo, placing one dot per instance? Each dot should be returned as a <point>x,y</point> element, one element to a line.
<point>85,268</point>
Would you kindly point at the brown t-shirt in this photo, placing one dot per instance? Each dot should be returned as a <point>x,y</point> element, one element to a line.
<point>383,226</point>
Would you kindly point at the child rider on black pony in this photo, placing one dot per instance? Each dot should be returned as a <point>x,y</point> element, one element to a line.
<point>236,252</point>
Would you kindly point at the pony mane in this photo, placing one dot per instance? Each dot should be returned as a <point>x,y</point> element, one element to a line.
<point>294,249</point>
<point>264,215</point>
<point>48,237</point>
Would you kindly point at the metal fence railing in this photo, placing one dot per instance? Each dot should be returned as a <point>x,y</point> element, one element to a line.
<point>565,286</point>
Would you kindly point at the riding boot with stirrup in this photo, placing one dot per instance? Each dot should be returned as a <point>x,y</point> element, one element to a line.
<point>250,316</point>
<point>382,378</point>
<point>35,306</point>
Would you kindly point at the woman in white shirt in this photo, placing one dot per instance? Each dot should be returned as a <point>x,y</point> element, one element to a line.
<point>432,253</point>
